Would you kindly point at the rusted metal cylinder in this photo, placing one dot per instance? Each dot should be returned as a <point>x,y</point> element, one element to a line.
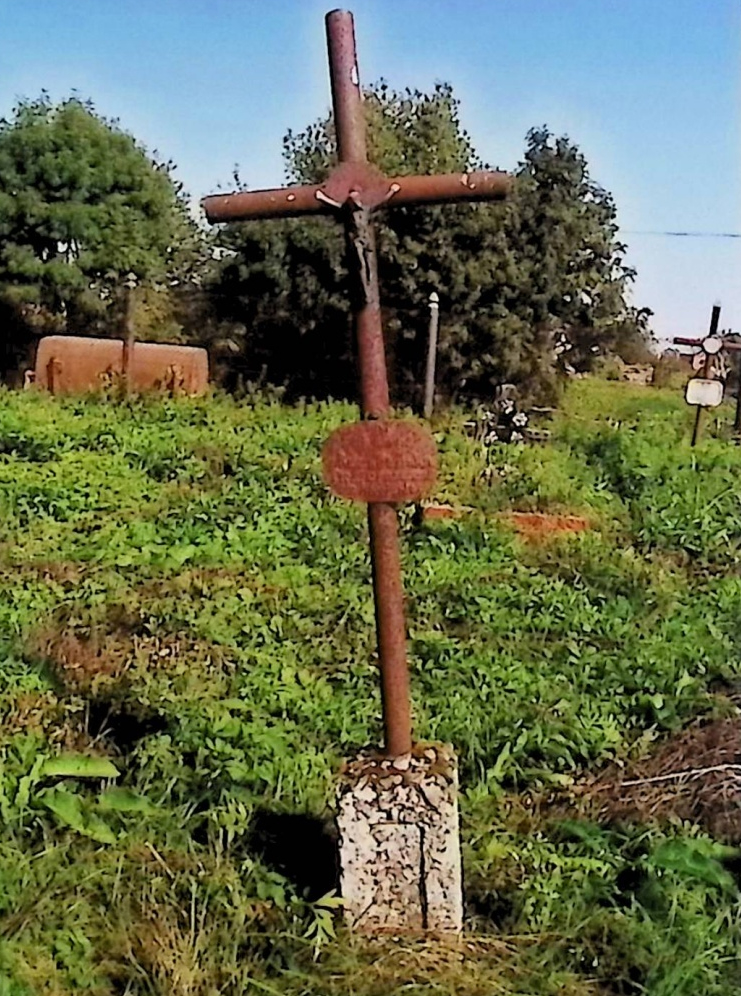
<point>390,628</point>
<point>347,98</point>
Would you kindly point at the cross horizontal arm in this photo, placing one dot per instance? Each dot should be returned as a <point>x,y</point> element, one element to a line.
<point>681,340</point>
<point>291,202</point>
<point>284,202</point>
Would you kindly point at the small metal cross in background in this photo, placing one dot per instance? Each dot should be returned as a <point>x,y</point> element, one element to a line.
<point>710,346</point>
<point>399,457</point>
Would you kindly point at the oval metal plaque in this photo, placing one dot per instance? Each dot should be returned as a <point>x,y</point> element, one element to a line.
<point>381,461</point>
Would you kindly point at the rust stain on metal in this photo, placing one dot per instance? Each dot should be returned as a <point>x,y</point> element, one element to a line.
<point>382,461</point>
<point>68,364</point>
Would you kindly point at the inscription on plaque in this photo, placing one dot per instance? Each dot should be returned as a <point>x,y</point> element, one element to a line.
<point>382,461</point>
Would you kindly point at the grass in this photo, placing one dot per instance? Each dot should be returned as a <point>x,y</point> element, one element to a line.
<point>180,596</point>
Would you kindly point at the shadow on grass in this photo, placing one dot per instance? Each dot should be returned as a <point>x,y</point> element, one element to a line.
<point>303,848</point>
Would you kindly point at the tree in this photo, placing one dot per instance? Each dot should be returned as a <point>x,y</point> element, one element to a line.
<point>82,205</point>
<point>512,278</point>
<point>565,282</point>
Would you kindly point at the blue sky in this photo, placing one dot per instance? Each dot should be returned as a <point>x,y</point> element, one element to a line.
<point>649,89</point>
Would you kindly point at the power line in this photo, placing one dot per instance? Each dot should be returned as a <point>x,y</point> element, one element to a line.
<point>694,235</point>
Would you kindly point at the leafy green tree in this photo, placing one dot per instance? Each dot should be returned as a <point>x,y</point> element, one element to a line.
<point>513,279</point>
<point>572,276</point>
<point>82,205</point>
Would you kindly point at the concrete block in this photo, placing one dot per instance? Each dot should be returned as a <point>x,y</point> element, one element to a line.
<point>400,864</point>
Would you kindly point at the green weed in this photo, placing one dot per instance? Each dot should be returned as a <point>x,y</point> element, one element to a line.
<point>182,602</point>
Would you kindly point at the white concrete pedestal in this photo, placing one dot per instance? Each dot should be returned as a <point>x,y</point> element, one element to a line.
<point>400,863</point>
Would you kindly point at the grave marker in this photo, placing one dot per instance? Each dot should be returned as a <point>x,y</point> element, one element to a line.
<point>703,391</point>
<point>353,190</point>
<point>399,853</point>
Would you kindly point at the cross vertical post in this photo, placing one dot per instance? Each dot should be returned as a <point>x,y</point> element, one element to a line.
<point>382,520</point>
<point>714,319</point>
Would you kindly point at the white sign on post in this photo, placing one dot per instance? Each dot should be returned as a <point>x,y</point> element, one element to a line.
<point>703,392</point>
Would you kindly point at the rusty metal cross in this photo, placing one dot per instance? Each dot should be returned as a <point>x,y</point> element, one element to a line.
<point>401,454</point>
<point>710,345</point>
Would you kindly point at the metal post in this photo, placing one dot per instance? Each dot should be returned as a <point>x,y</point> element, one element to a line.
<point>53,370</point>
<point>737,419</point>
<point>431,355</point>
<point>714,319</point>
<point>382,520</point>
<point>390,628</point>
<point>129,333</point>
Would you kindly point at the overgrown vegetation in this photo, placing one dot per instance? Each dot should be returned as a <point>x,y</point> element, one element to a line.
<point>187,652</point>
